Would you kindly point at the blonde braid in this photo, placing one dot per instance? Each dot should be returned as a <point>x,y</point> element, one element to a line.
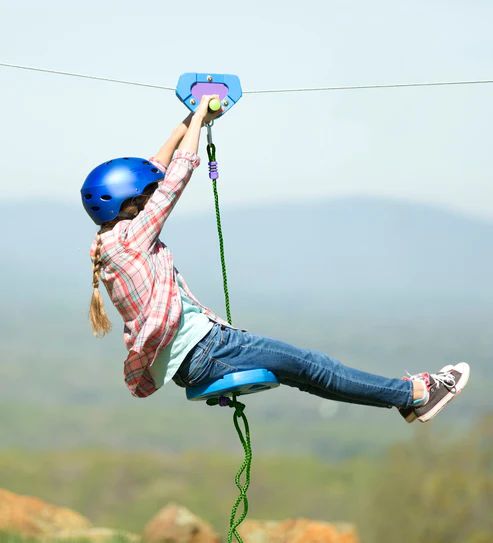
<point>101,325</point>
<point>100,322</point>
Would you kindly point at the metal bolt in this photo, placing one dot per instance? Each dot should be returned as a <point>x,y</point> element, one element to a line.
<point>192,101</point>
<point>225,103</point>
<point>209,78</point>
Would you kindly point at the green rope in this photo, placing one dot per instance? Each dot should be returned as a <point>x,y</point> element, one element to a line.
<point>211,152</point>
<point>242,477</point>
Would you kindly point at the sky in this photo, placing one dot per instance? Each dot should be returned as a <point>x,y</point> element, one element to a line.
<point>430,145</point>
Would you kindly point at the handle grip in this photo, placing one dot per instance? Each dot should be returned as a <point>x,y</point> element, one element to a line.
<point>214,105</point>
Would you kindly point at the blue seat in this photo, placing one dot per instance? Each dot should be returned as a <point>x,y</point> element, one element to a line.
<point>239,383</point>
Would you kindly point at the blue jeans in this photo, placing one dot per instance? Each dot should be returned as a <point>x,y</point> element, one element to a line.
<point>225,350</point>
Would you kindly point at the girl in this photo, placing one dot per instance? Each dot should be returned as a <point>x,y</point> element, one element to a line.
<point>169,334</point>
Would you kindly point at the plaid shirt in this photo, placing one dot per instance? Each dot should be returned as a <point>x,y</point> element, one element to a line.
<point>141,280</point>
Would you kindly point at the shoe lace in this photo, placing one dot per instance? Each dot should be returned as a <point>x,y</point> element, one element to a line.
<point>445,378</point>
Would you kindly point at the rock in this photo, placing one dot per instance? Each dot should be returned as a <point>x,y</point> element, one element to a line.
<point>32,517</point>
<point>297,531</point>
<point>94,535</point>
<point>176,524</point>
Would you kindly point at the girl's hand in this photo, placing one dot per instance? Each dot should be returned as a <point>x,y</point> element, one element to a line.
<point>202,111</point>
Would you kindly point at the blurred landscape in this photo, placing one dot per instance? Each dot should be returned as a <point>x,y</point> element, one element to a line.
<point>382,285</point>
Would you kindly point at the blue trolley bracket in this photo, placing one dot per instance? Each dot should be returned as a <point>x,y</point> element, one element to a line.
<point>238,383</point>
<point>192,86</point>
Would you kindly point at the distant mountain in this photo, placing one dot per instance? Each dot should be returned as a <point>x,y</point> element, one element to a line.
<point>382,285</point>
<point>345,250</point>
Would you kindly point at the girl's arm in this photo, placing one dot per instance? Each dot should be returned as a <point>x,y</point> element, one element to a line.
<point>166,152</point>
<point>190,142</point>
<point>143,231</point>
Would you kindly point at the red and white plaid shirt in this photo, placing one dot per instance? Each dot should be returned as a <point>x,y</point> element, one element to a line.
<point>141,280</point>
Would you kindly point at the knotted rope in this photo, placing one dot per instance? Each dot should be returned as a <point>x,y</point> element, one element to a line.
<point>242,477</point>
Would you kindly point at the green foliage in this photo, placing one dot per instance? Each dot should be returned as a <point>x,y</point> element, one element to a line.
<point>430,488</point>
<point>436,490</point>
<point>7,537</point>
<point>123,490</point>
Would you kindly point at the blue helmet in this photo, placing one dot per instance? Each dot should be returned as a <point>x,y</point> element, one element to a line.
<point>111,183</point>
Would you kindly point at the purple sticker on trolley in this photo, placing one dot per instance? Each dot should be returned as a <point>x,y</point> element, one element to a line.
<point>199,89</point>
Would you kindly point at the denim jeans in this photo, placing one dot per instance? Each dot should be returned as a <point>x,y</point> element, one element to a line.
<point>225,350</point>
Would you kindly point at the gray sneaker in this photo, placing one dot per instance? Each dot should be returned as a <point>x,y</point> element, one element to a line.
<point>442,388</point>
<point>408,412</point>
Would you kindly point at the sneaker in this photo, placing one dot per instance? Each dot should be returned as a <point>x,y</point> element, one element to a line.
<point>442,387</point>
<point>408,412</point>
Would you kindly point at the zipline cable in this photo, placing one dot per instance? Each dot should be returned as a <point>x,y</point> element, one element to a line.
<point>382,86</point>
<point>263,91</point>
<point>83,76</point>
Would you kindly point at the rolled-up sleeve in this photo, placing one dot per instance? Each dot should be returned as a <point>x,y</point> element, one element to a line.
<point>158,164</point>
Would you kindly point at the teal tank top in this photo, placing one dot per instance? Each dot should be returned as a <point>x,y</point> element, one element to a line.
<point>194,325</point>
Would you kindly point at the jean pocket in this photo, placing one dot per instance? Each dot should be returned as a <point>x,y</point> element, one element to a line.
<point>199,370</point>
<point>220,368</point>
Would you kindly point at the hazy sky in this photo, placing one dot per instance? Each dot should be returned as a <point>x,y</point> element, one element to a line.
<point>424,144</point>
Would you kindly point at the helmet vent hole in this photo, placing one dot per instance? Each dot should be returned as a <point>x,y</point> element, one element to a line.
<point>125,158</point>
<point>146,162</point>
<point>155,170</point>
<point>106,197</point>
<point>95,208</point>
<point>87,196</point>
